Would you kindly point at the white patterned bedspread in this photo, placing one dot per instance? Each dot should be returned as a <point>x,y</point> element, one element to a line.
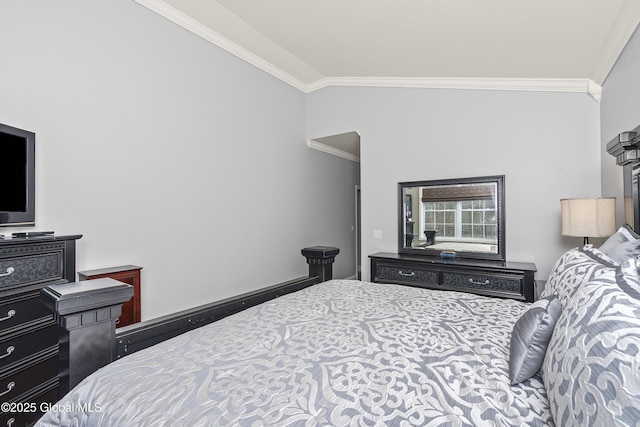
<point>341,353</point>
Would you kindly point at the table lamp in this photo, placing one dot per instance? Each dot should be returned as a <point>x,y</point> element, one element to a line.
<point>590,217</point>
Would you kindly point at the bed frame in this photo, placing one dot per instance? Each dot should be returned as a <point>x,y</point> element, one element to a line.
<point>87,311</point>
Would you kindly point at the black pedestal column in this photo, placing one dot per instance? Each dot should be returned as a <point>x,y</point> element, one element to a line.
<point>87,311</point>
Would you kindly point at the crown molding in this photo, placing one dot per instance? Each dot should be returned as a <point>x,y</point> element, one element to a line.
<point>626,24</point>
<point>195,27</point>
<point>534,85</point>
<point>538,85</point>
<point>595,90</point>
<point>332,150</point>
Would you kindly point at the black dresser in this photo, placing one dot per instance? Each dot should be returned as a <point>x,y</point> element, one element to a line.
<point>491,278</point>
<point>29,352</point>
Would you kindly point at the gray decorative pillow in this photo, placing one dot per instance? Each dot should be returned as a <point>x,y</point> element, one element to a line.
<point>622,245</point>
<point>530,338</point>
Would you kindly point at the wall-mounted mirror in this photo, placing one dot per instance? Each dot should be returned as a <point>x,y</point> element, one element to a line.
<point>462,216</point>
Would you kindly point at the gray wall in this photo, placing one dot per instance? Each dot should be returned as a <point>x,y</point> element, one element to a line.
<point>167,152</point>
<point>620,112</point>
<point>546,144</point>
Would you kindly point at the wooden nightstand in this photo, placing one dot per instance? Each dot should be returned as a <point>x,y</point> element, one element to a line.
<point>129,274</point>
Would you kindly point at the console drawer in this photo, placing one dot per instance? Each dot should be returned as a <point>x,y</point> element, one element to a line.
<point>407,274</point>
<point>502,283</point>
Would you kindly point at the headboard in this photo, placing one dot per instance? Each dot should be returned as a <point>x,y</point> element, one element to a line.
<point>625,147</point>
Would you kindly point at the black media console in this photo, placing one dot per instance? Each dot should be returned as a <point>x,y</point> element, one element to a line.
<point>491,278</point>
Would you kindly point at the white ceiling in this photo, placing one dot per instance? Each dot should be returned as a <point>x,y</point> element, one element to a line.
<point>557,45</point>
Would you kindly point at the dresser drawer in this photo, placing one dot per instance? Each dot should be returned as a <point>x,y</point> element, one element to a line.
<point>19,347</point>
<point>485,282</point>
<point>406,274</point>
<point>23,379</point>
<point>21,312</point>
<point>26,409</point>
<point>33,268</point>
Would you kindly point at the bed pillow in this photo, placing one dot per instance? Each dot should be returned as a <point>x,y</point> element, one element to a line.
<point>628,277</point>
<point>622,245</point>
<point>530,338</point>
<point>590,369</point>
<point>574,268</point>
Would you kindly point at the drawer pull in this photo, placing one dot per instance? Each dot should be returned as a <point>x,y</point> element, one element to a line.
<point>9,315</point>
<point>473,282</point>
<point>402,273</point>
<point>10,387</point>
<point>10,350</point>
<point>10,270</point>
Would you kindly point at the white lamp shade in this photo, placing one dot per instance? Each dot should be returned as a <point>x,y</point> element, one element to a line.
<point>594,217</point>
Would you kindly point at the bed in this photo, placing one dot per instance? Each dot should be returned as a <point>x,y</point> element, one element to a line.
<point>337,353</point>
<point>351,353</point>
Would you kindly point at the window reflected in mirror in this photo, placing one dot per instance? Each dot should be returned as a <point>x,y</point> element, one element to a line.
<point>464,216</point>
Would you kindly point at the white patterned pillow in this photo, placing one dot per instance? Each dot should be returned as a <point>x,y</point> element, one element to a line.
<point>591,369</point>
<point>573,268</point>
<point>628,277</point>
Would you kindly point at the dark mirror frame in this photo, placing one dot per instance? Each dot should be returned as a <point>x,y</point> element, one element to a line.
<point>500,255</point>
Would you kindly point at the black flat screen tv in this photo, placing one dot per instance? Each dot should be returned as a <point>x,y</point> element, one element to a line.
<point>17,176</point>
